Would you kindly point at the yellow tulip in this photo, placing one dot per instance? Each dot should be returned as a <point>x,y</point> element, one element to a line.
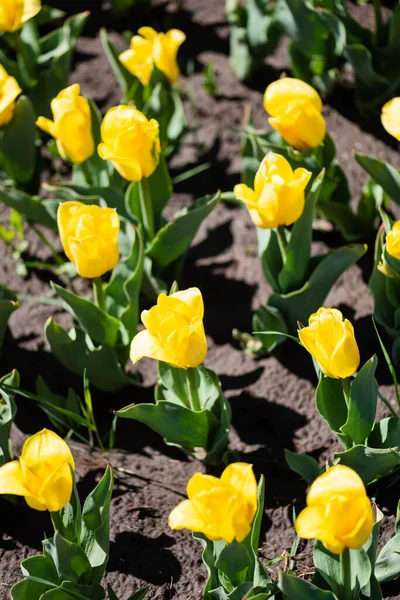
<point>390,117</point>
<point>339,513</point>
<point>278,195</point>
<point>42,474</point>
<point>151,48</point>
<point>89,235</point>
<point>295,109</point>
<point>15,13</point>
<point>393,241</point>
<point>221,509</point>
<point>331,341</point>
<point>130,141</point>
<point>174,330</point>
<point>72,125</point>
<point>9,91</point>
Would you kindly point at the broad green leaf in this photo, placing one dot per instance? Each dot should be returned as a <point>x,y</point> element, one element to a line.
<point>8,410</point>
<point>370,463</point>
<point>76,591</point>
<point>383,173</point>
<point>174,239</point>
<point>124,78</point>
<point>69,558</point>
<point>241,60</point>
<point>44,576</point>
<point>76,352</point>
<point>18,144</point>
<point>234,561</point>
<point>269,320</point>
<point>331,403</point>
<point>306,466</point>
<point>33,208</point>
<point>174,385</point>
<point>362,406</point>
<point>385,434</point>
<point>55,401</point>
<point>271,257</point>
<point>295,588</point>
<point>387,565</point>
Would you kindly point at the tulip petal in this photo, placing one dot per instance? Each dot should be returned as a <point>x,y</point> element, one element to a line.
<point>57,489</point>
<point>35,504</point>
<point>46,447</point>
<point>144,344</point>
<point>390,117</point>
<point>362,530</point>
<point>336,478</point>
<point>282,92</point>
<point>185,516</point>
<point>244,193</point>
<point>193,299</point>
<point>201,483</point>
<point>148,33</point>
<point>241,477</point>
<point>46,125</point>
<point>11,479</point>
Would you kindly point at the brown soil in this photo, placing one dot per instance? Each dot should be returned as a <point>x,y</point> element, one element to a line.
<point>272,398</point>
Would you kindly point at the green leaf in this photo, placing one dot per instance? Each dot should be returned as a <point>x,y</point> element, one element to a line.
<point>362,406</point>
<point>70,517</point>
<point>18,144</point>
<point>54,401</point>
<point>241,60</point>
<point>269,320</point>
<point>387,565</point>
<point>124,78</point>
<point>233,561</point>
<point>295,268</point>
<point>331,403</point>
<point>95,532</point>
<point>8,410</point>
<point>101,327</point>
<point>174,385</point>
<point>306,466</point>
<point>370,463</point>
<point>40,574</point>
<point>385,434</point>
<point>69,558</point>
<point>383,173</point>
<point>75,591</point>
<point>271,257</point>
<point>33,208</point>
<point>76,352</point>
<point>295,588</point>
<point>8,303</point>
<point>328,565</point>
<point>174,239</point>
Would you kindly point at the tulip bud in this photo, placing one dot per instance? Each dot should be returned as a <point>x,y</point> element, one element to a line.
<point>15,13</point>
<point>220,508</point>
<point>43,473</point>
<point>390,117</point>
<point>393,241</point>
<point>151,48</point>
<point>295,109</point>
<point>339,513</point>
<point>278,195</point>
<point>72,125</point>
<point>89,235</point>
<point>331,341</point>
<point>9,91</point>
<point>130,141</point>
<point>174,330</point>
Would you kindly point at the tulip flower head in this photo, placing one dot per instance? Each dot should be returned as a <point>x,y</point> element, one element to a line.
<point>174,330</point>
<point>393,241</point>
<point>390,117</point>
<point>72,125</point>
<point>295,109</point>
<point>220,508</point>
<point>330,340</point>
<point>15,13</point>
<point>43,473</point>
<point>151,48</point>
<point>339,513</point>
<point>278,196</point>
<point>9,91</point>
<point>130,141</point>
<point>89,236</point>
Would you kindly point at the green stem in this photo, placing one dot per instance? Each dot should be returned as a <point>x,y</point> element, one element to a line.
<point>378,20</point>
<point>85,170</point>
<point>346,390</point>
<point>194,398</point>
<point>280,232</point>
<point>98,293</point>
<point>146,208</point>
<point>50,246</point>
<point>345,575</point>
<point>57,522</point>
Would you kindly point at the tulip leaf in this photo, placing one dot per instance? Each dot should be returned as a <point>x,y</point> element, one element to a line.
<point>178,425</point>
<point>95,532</point>
<point>269,327</point>
<point>75,591</point>
<point>69,558</point>
<point>174,239</point>
<point>100,326</point>
<point>362,405</point>
<point>76,352</point>
<point>139,595</point>
<point>33,208</point>
<point>271,257</point>
<point>294,588</point>
<point>70,516</point>
<point>298,252</point>
<point>234,561</point>
<point>8,304</point>
<point>383,173</point>
<point>19,133</point>
<point>385,434</point>
<point>101,196</point>
<point>328,566</point>
<point>370,463</point>
<point>298,305</point>
<point>40,574</point>
<point>124,77</point>
<point>8,410</point>
<point>303,464</point>
<point>174,385</point>
<point>387,566</point>
<point>53,402</point>
<point>331,403</point>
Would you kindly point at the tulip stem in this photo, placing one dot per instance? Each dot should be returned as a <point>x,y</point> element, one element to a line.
<point>146,208</point>
<point>86,172</point>
<point>57,522</point>
<point>378,20</point>
<point>345,575</point>
<point>98,293</point>
<point>281,234</point>
<point>194,399</point>
<point>346,390</point>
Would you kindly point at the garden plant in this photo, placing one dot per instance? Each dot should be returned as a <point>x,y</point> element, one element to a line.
<point>199,300</point>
